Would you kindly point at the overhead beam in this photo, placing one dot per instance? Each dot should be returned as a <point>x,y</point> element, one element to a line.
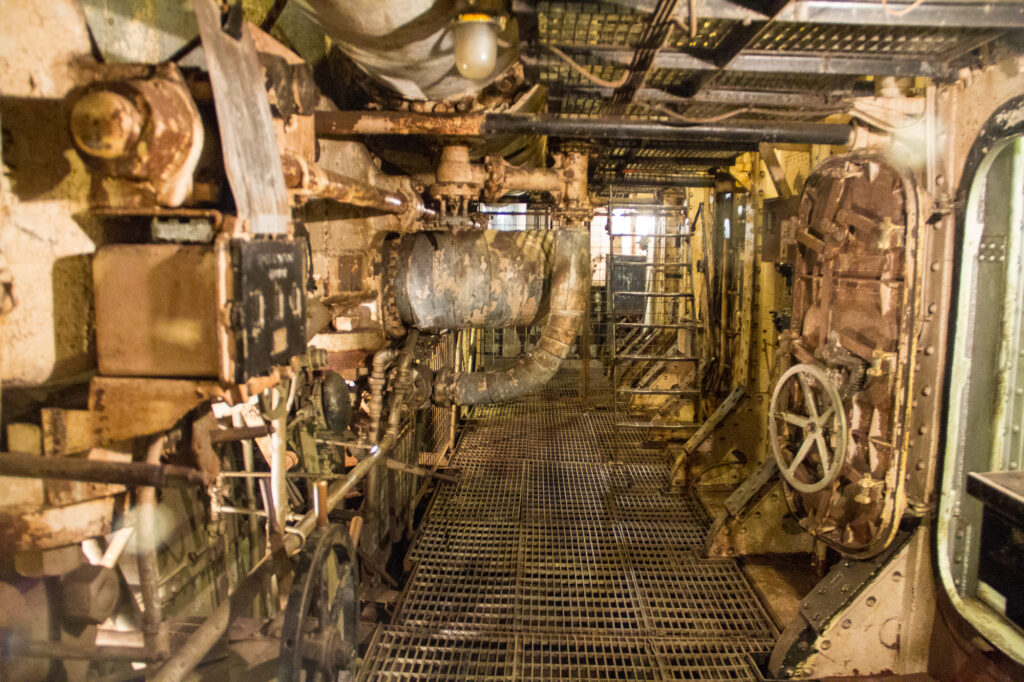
<point>935,14</point>
<point>347,123</point>
<point>765,61</point>
<point>932,13</point>
<point>757,98</point>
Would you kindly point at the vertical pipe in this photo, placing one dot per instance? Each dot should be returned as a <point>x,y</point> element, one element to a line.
<point>146,539</point>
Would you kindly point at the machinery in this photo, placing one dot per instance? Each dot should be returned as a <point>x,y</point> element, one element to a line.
<point>264,263</point>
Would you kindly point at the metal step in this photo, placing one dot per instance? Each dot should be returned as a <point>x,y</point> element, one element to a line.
<point>655,294</point>
<point>655,236</point>
<point>649,425</point>
<point>659,391</point>
<point>680,325</point>
<point>658,358</point>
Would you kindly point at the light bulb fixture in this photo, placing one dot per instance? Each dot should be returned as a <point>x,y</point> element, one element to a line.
<point>476,44</point>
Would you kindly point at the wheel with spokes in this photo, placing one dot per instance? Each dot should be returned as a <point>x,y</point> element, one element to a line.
<point>318,640</point>
<point>806,412</point>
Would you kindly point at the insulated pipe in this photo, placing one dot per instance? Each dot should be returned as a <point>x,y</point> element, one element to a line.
<point>487,278</point>
<point>606,127</point>
<point>570,284</point>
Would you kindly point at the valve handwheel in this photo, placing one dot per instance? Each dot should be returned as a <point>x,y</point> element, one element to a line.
<point>318,640</point>
<point>806,408</point>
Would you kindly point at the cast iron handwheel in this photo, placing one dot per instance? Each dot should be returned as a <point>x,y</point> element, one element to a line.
<point>823,419</point>
<point>319,636</point>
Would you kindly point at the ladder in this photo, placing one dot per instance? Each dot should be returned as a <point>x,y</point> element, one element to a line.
<point>653,326</point>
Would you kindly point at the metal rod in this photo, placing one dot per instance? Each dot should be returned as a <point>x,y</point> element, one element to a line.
<point>318,182</point>
<point>216,624</point>
<point>238,433</point>
<point>419,471</point>
<point>16,647</point>
<point>134,474</point>
<point>708,426</point>
<point>605,127</point>
<point>149,568</point>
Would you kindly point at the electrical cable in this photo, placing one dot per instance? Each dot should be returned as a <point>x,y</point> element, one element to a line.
<point>681,118</point>
<point>901,12</point>
<point>596,80</point>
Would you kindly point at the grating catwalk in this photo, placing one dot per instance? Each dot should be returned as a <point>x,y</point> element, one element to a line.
<point>559,555</point>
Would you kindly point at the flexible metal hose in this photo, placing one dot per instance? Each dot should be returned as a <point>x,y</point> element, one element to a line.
<point>570,284</point>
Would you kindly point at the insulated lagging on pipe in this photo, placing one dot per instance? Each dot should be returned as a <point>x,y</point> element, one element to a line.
<point>486,278</point>
<point>570,284</point>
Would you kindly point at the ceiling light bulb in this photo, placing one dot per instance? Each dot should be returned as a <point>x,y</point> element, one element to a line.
<point>476,46</point>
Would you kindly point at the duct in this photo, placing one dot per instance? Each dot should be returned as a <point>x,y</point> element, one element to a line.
<point>570,280</point>
<point>446,280</point>
<point>407,45</point>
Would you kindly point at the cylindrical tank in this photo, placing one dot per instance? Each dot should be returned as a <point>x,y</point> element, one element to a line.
<point>490,278</point>
<point>408,45</point>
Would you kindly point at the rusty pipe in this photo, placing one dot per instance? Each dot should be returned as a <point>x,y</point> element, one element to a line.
<point>570,284</point>
<point>27,465</point>
<point>317,182</point>
<point>373,499</point>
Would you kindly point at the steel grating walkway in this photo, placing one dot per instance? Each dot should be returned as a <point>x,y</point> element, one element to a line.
<point>559,555</point>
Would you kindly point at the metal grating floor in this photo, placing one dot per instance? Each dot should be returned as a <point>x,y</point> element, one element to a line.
<point>559,555</point>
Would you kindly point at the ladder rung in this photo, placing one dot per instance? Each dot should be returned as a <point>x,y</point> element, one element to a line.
<point>681,325</point>
<point>651,265</point>
<point>649,425</point>
<point>656,236</point>
<point>658,294</point>
<point>659,358</point>
<point>659,391</point>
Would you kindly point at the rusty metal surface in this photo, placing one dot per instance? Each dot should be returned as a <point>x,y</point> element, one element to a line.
<point>397,123</point>
<point>491,278</point>
<point>145,132</point>
<point>315,182</point>
<point>853,316</point>
<point>251,158</point>
<point>558,555</point>
<point>168,326</point>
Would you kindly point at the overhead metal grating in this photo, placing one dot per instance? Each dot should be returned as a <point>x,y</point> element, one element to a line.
<point>559,554</point>
<point>796,60</point>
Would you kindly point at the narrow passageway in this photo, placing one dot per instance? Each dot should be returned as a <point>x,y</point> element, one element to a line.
<point>560,555</point>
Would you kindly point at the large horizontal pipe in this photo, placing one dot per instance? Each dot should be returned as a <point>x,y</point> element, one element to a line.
<point>341,123</point>
<point>25,465</point>
<point>486,278</point>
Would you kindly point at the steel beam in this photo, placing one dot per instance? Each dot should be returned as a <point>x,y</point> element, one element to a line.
<point>765,61</point>
<point>758,98</point>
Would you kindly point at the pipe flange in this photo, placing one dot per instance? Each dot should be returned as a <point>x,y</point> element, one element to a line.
<point>391,319</point>
<point>494,184</point>
<point>444,387</point>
